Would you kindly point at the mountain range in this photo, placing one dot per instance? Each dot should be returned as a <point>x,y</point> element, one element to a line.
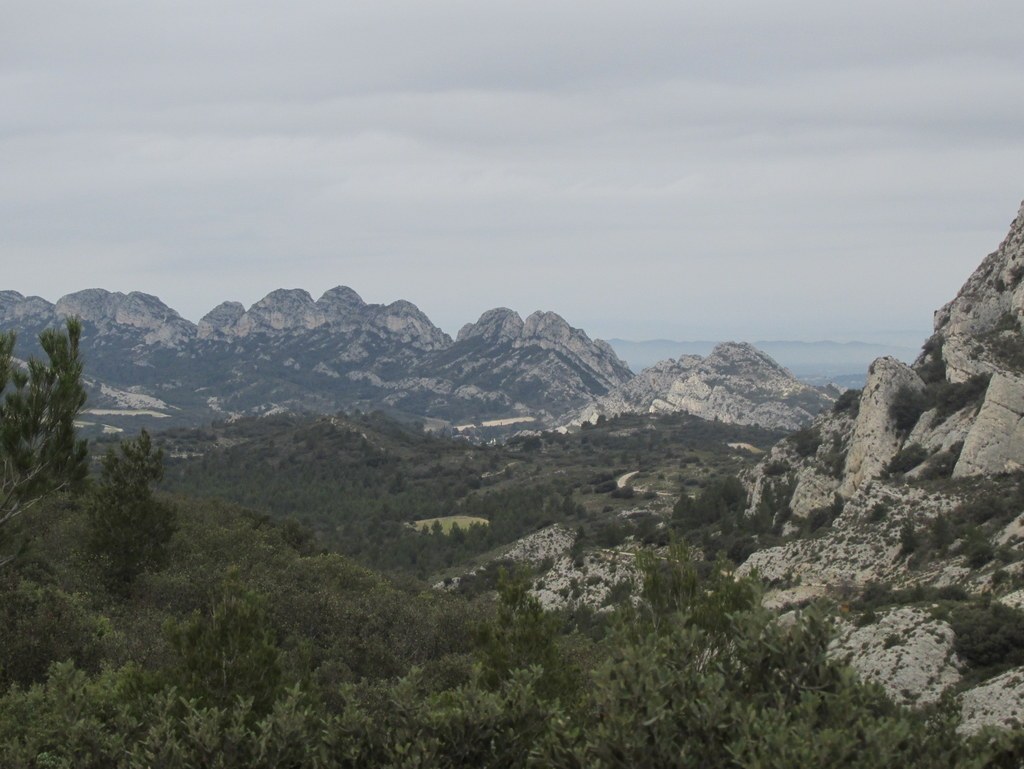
<point>146,366</point>
<point>289,352</point>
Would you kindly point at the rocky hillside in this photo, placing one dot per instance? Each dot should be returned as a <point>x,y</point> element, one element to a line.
<point>736,383</point>
<point>148,366</point>
<point>913,484</point>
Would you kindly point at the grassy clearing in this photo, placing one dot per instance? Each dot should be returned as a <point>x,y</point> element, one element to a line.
<point>447,522</point>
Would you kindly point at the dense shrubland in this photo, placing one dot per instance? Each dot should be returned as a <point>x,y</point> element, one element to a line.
<point>241,651</point>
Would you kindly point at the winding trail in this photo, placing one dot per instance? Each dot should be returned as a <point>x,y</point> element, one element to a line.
<point>624,480</point>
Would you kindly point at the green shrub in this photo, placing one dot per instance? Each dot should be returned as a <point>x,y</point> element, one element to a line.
<point>949,397</point>
<point>806,442</point>
<point>907,458</point>
<point>776,467</point>
<point>907,406</point>
<point>40,625</point>
<point>933,367</point>
<point>989,635</point>
<point>848,403</point>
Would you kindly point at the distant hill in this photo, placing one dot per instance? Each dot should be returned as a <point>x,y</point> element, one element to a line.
<point>735,383</point>
<point>814,362</point>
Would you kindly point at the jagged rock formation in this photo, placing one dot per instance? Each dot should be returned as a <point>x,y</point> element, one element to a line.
<point>736,383</point>
<point>338,352</point>
<point>961,406</point>
<point>540,360</point>
<point>875,438</point>
<point>886,476</point>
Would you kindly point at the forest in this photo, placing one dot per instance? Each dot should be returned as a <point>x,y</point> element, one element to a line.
<point>147,627</point>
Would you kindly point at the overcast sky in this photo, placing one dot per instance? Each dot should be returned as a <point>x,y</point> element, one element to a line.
<point>751,170</point>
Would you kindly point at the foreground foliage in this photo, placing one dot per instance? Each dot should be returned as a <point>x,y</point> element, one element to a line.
<point>39,451</point>
<point>288,659</point>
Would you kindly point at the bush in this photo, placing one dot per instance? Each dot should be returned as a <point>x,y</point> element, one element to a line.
<point>40,625</point>
<point>806,442</point>
<point>949,397</point>
<point>907,458</point>
<point>942,464</point>
<point>776,467</point>
<point>907,407</point>
<point>989,635</point>
<point>848,403</point>
<point>933,367</point>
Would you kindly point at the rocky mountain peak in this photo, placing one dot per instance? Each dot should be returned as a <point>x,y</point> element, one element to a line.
<point>743,359</point>
<point>284,310</point>
<point>111,311</point>
<point>341,303</point>
<point>735,383</point>
<point>221,320</point>
<point>17,310</point>
<point>499,326</point>
<point>547,326</point>
<point>409,324</point>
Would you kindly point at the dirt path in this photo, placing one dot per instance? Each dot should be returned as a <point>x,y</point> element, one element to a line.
<point>625,479</point>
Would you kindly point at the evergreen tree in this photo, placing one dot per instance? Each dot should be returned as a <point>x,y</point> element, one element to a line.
<point>39,452</point>
<point>128,529</point>
<point>231,652</point>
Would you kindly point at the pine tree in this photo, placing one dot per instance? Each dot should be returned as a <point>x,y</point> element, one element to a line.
<point>128,528</point>
<point>39,451</point>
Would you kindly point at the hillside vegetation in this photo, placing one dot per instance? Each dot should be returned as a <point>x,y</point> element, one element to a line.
<point>245,649</point>
<point>358,481</point>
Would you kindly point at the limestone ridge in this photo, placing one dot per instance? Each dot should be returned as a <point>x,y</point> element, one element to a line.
<point>735,383</point>
<point>337,352</point>
<point>543,358</point>
<point>962,401</point>
<point>957,412</point>
<point>293,312</point>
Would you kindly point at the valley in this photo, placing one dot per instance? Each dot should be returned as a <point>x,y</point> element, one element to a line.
<point>511,518</point>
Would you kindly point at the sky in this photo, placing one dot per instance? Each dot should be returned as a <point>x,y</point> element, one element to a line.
<point>732,170</point>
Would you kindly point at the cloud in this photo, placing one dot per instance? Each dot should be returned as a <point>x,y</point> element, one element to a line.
<point>659,169</point>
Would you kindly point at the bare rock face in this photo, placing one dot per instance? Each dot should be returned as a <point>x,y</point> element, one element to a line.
<point>995,442</point>
<point>339,312</point>
<point>997,702</point>
<point>498,326</point>
<point>736,383</point>
<point>21,311</point>
<point>341,305</point>
<point>283,310</point>
<point>115,313</point>
<point>907,652</point>
<point>549,331</point>
<point>990,304</point>
<point>405,322</point>
<point>540,359</point>
<point>875,440</point>
<point>221,321</point>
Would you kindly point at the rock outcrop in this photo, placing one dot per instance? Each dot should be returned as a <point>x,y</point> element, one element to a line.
<point>995,442</point>
<point>736,383</point>
<point>875,439</point>
<point>914,483</point>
